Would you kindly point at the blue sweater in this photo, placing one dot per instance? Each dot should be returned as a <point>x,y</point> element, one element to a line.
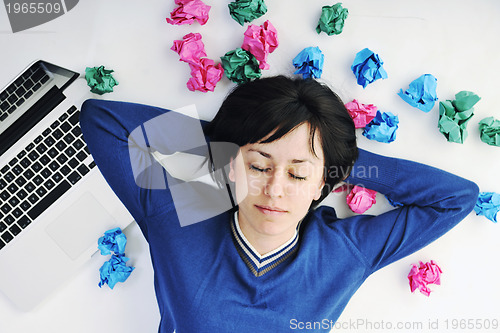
<point>207,279</point>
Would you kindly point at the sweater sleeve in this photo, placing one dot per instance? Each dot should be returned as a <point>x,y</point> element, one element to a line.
<point>121,137</point>
<point>433,200</point>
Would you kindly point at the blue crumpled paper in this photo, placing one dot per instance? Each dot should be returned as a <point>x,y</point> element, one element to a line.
<point>488,205</point>
<point>115,270</point>
<point>114,240</point>
<point>309,62</point>
<point>367,67</point>
<point>382,128</point>
<point>421,93</point>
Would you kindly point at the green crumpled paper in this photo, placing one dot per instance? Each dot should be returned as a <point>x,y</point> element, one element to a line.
<point>454,116</point>
<point>240,66</point>
<point>100,79</point>
<point>489,129</point>
<point>246,10</point>
<point>332,19</point>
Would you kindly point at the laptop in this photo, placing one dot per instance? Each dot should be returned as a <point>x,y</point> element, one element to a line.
<point>54,203</point>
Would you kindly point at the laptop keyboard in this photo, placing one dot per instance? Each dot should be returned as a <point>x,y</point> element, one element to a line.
<point>21,89</point>
<point>42,172</point>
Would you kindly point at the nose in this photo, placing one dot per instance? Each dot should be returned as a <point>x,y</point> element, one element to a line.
<point>275,186</point>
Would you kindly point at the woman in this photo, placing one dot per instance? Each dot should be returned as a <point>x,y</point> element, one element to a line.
<point>274,262</point>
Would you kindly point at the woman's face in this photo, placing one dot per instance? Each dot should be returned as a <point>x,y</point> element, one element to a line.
<point>276,182</point>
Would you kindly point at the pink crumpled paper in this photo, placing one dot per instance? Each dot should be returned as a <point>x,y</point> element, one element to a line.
<point>423,275</point>
<point>190,49</point>
<point>362,114</point>
<point>189,11</point>
<point>204,73</point>
<point>359,199</point>
<point>260,41</point>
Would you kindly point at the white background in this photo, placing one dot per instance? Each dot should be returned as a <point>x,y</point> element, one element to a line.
<point>456,41</point>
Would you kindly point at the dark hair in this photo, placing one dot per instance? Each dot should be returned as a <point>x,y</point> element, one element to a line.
<point>255,109</point>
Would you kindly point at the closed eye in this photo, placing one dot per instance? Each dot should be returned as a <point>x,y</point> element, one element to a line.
<point>254,168</point>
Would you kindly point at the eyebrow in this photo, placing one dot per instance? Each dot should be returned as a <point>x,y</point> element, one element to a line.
<point>267,155</point>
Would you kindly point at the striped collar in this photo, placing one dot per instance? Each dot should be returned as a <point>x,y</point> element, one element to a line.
<point>261,264</point>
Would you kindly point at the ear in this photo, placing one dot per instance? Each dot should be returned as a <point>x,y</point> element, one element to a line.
<point>317,195</point>
<point>231,174</point>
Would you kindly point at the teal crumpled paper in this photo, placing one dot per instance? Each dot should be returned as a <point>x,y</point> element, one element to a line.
<point>246,10</point>
<point>421,93</point>
<point>240,66</point>
<point>489,129</point>
<point>114,240</point>
<point>382,128</point>
<point>367,67</point>
<point>454,116</point>
<point>309,62</point>
<point>332,19</point>
<point>100,80</point>
<point>488,205</point>
<point>115,270</point>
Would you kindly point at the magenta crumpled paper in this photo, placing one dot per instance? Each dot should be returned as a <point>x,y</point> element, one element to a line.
<point>190,49</point>
<point>189,11</point>
<point>360,113</point>
<point>360,199</point>
<point>423,275</point>
<point>260,41</point>
<point>204,73</point>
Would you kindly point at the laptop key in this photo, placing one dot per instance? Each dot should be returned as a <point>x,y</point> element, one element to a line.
<point>2,244</point>
<point>6,208</point>
<point>28,174</point>
<point>2,226</point>
<point>9,219</point>
<point>4,195</point>
<point>3,184</point>
<point>49,199</point>
<point>8,177</point>
<point>17,213</point>
<point>15,230</point>
<point>24,222</point>
<point>30,187</point>
<point>33,198</point>
<point>74,177</point>
<point>25,205</point>
<point>3,116</point>
<point>7,237</point>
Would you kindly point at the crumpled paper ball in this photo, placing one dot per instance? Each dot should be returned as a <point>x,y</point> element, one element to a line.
<point>421,93</point>
<point>423,275</point>
<point>189,11</point>
<point>190,49</point>
<point>247,10</point>
<point>115,270</point>
<point>361,114</point>
<point>455,114</point>
<point>309,62</point>
<point>367,67</point>
<point>240,66</point>
<point>360,199</point>
<point>100,80</point>
<point>205,75</point>
<point>332,19</point>
<point>260,41</point>
<point>114,240</point>
<point>488,205</point>
<point>382,128</point>
<point>489,129</point>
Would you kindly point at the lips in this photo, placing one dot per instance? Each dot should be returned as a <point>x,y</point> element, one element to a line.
<point>268,210</point>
